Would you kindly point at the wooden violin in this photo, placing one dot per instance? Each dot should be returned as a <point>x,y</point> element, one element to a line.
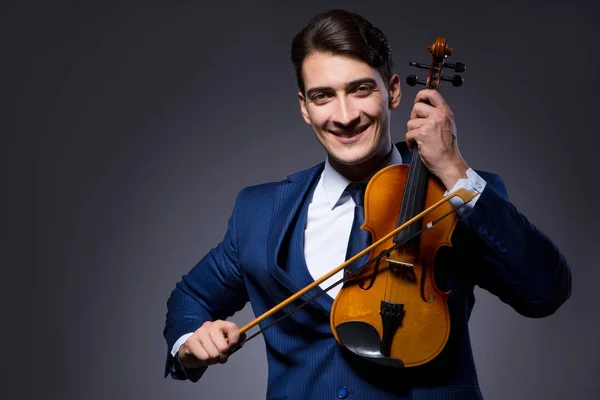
<point>393,313</point>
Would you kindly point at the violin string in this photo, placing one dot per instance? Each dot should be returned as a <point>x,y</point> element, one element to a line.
<point>416,206</point>
<point>388,293</point>
<point>343,279</point>
<point>411,208</point>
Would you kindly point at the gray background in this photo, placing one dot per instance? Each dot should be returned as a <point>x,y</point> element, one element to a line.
<point>129,128</point>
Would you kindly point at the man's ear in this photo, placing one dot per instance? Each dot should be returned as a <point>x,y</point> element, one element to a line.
<point>303,109</point>
<point>394,91</point>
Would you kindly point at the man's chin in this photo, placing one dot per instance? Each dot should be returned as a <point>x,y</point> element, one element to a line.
<point>352,160</point>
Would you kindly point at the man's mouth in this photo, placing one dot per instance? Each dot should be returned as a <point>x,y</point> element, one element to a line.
<point>351,133</point>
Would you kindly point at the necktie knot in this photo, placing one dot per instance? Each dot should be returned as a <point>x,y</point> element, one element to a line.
<point>357,191</point>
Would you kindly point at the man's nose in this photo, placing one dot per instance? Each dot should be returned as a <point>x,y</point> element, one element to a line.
<point>346,114</point>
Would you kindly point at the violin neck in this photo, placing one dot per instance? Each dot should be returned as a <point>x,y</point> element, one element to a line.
<point>413,201</point>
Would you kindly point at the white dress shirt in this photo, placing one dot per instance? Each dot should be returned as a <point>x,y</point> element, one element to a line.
<point>329,221</point>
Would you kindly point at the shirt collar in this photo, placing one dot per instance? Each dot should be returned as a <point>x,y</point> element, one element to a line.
<point>335,183</point>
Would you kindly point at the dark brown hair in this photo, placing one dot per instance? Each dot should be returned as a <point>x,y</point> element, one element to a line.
<point>343,32</point>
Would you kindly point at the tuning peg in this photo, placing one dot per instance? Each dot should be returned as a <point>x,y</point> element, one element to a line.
<point>412,80</point>
<point>418,65</point>
<point>456,80</point>
<point>458,67</point>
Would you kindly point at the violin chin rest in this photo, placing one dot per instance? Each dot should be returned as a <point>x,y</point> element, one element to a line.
<point>363,340</point>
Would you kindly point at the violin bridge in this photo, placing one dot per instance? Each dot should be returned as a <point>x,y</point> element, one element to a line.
<point>402,269</point>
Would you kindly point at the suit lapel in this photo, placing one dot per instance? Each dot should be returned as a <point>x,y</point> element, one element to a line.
<point>290,196</point>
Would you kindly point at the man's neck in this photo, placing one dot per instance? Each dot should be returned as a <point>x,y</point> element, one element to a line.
<point>364,170</point>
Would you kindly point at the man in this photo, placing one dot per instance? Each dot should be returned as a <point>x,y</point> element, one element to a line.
<point>284,235</point>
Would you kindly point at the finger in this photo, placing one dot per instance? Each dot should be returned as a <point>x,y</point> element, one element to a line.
<point>208,345</point>
<point>433,97</point>
<point>411,139</point>
<point>232,332</point>
<point>193,355</point>
<point>218,339</point>
<point>421,110</point>
<point>420,137</point>
<point>221,345</point>
<point>416,123</point>
<point>200,353</point>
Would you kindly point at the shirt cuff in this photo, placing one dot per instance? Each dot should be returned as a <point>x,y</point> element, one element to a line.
<point>473,183</point>
<point>179,343</point>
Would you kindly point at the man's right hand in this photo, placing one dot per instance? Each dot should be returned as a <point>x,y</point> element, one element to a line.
<point>210,344</point>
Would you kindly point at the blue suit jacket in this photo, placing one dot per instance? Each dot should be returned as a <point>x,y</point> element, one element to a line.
<point>261,260</point>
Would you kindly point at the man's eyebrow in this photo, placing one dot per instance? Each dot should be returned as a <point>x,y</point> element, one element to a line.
<point>361,81</point>
<point>353,83</point>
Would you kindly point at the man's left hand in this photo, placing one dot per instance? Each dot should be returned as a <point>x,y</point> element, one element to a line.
<point>432,128</point>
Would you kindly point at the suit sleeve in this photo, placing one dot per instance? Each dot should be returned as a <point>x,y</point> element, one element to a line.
<point>512,258</point>
<point>213,289</point>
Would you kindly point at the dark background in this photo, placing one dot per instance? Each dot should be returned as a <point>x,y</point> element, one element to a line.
<point>129,127</point>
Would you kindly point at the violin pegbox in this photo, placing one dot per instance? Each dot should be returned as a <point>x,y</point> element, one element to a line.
<point>439,51</point>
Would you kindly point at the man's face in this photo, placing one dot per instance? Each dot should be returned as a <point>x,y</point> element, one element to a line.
<point>348,106</point>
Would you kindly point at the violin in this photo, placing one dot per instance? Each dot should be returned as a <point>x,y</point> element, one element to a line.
<point>390,310</point>
<point>392,313</point>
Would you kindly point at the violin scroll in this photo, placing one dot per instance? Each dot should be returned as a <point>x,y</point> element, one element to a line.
<point>440,51</point>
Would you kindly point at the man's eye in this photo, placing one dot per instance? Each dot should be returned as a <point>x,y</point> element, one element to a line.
<point>320,97</point>
<point>363,89</point>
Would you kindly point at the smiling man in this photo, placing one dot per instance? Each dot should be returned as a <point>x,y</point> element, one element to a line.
<point>348,105</point>
<point>284,235</point>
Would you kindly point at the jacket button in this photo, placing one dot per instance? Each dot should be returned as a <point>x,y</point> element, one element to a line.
<point>342,392</point>
<point>483,231</point>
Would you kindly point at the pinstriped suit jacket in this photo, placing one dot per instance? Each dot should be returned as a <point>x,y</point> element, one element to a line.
<point>261,260</point>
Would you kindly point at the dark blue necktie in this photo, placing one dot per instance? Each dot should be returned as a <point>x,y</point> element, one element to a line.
<point>359,239</point>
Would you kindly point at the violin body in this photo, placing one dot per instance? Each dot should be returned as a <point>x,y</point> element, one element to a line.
<point>391,312</point>
<point>403,282</point>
